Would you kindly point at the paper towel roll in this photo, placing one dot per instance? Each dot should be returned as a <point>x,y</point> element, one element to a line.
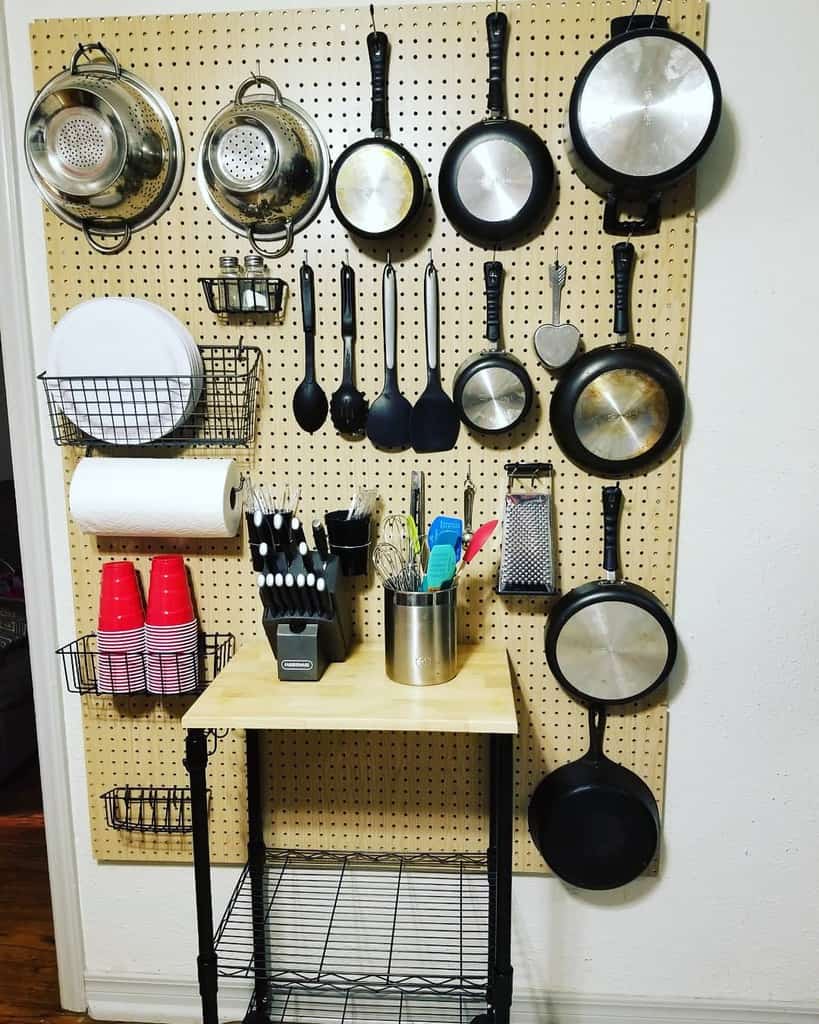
<point>156,497</point>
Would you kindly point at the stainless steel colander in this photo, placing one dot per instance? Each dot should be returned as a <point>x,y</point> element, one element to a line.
<point>263,167</point>
<point>104,149</point>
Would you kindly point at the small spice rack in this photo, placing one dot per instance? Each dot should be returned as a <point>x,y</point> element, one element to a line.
<point>252,297</point>
<point>224,416</point>
<point>160,810</point>
<point>80,662</point>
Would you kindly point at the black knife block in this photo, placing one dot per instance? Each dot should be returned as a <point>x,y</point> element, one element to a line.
<point>304,644</point>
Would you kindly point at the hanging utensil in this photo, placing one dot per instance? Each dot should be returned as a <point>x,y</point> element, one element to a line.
<point>309,401</point>
<point>594,822</point>
<point>556,343</point>
<point>388,422</point>
<point>434,424</point>
<point>478,542</point>
<point>618,408</point>
<point>643,112</point>
<point>610,642</point>
<point>103,149</point>
<point>493,390</point>
<point>348,407</point>
<point>469,504</point>
<point>376,187</point>
<point>497,177</point>
<point>263,167</point>
<point>417,502</point>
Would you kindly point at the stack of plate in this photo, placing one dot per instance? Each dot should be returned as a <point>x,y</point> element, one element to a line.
<point>124,370</point>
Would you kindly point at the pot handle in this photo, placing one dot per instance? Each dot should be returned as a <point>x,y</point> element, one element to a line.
<point>612,499</point>
<point>107,250</point>
<point>248,84</point>
<point>648,224</point>
<point>493,277</point>
<point>82,51</point>
<point>378,47</point>
<point>497,27</point>
<point>288,243</point>
<point>597,730</point>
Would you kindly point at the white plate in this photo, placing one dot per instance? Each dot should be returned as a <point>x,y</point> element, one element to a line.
<point>111,338</point>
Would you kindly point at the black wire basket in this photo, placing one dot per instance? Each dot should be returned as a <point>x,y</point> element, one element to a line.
<point>252,297</point>
<point>81,663</point>
<point>161,810</point>
<point>160,411</point>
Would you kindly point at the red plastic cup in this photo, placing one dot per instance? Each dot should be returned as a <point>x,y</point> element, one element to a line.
<point>120,600</point>
<point>170,605</point>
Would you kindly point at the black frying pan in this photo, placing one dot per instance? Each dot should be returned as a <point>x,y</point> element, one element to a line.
<point>496,178</point>
<point>594,822</point>
<point>610,642</point>
<point>376,186</point>
<point>618,408</point>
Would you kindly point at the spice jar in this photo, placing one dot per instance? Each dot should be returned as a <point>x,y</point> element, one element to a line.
<point>230,272</point>
<point>254,287</point>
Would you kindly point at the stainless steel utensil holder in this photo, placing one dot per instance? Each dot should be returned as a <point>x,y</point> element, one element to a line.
<point>421,636</point>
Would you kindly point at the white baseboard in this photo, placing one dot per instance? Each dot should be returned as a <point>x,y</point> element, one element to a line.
<point>152,1000</point>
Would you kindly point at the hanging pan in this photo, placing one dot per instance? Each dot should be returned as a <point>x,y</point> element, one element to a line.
<point>594,822</point>
<point>610,642</point>
<point>103,149</point>
<point>492,390</point>
<point>618,408</point>
<point>643,112</point>
<point>263,167</point>
<point>496,178</point>
<point>376,186</point>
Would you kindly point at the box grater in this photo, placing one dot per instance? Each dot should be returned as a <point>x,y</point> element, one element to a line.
<point>527,542</point>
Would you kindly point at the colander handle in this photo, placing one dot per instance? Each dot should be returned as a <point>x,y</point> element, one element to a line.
<point>82,51</point>
<point>288,243</point>
<point>107,250</point>
<point>257,80</point>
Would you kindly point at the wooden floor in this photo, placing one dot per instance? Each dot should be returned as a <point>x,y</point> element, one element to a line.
<point>28,971</point>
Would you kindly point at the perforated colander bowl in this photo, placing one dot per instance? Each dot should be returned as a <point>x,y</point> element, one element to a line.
<point>263,167</point>
<point>103,149</point>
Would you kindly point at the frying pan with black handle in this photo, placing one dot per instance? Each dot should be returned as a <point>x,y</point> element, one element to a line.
<point>497,176</point>
<point>618,408</point>
<point>594,822</point>
<point>610,642</point>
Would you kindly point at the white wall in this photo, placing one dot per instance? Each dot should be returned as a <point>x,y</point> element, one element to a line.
<point>735,913</point>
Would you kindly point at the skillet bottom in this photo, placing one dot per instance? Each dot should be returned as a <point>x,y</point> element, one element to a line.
<point>594,836</point>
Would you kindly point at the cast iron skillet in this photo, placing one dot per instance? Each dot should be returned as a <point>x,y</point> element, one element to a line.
<point>594,822</point>
<point>618,408</point>
<point>496,178</point>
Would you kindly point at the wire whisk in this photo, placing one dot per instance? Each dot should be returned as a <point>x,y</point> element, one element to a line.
<point>394,571</point>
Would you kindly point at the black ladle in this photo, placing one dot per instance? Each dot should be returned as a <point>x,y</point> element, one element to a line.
<point>348,407</point>
<point>309,401</point>
<point>388,424</point>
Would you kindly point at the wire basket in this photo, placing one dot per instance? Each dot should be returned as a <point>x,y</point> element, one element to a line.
<point>245,296</point>
<point>81,660</point>
<point>128,411</point>
<point>161,810</point>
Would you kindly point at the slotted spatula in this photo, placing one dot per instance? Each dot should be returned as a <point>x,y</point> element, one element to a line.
<point>388,423</point>
<point>434,423</point>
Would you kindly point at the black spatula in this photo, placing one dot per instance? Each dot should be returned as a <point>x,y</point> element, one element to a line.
<point>348,407</point>
<point>434,423</point>
<point>309,401</point>
<point>388,423</point>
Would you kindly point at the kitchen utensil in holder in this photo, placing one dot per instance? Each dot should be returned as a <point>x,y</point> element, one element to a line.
<point>305,643</point>
<point>527,543</point>
<point>421,635</point>
<point>349,539</point>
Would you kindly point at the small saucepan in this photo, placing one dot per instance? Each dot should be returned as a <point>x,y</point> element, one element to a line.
<point>492,390</point>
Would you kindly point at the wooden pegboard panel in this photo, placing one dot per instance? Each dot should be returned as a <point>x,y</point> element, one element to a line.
<point>382,791</point>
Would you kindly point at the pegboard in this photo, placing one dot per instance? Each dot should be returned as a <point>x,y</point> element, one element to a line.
<point>381,791</point>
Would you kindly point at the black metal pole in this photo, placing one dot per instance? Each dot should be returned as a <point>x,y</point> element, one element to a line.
<point>501,824</point>
<point>196,762</point>
<point>255,857</point>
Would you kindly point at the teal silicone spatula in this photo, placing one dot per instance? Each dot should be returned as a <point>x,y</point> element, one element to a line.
<point>440,567</point>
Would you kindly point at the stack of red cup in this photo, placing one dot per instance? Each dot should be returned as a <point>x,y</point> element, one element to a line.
<point>120,631</point>
<point>171,629</point>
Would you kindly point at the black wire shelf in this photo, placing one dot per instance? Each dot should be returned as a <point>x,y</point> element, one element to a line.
<point>375,923</point>
<point>291,1005</point>
<point>245,297</point>
<point>158,810</point>
<point>81,667</point>
<point>131,411</point>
